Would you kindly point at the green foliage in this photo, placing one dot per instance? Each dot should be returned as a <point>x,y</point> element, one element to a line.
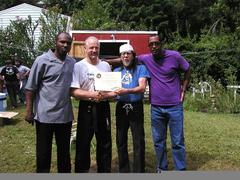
<point>67,6</point>
<point>94,16</point>
<point>221,99</point>
<point>226,13</point>
<point>51,22</point>
<point>211,55</point>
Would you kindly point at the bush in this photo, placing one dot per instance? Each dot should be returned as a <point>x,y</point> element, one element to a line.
<point>220,100</point>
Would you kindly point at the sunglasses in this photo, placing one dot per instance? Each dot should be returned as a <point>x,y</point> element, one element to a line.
<point>151,44</point>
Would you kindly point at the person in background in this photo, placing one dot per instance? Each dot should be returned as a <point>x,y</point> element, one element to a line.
<point>94,111</point>
<point>48,103</point>
<point>129,110</point>
<point>23,76</point>
<point>10,75</point>
<point>167,93</point>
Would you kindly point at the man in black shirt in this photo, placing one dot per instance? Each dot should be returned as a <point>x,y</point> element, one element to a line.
<point>11,76</point>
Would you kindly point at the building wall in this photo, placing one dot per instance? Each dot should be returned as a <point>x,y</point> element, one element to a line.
<point>21,11</point>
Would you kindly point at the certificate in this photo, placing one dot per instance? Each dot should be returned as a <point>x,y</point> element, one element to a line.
<point>107,81</point>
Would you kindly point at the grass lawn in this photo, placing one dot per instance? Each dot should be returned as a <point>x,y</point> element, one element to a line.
<point>212,143</point>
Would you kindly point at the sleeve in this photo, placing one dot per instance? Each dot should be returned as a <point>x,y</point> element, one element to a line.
<point>35,76</point>
<point>26,69</point>
<point>116,69</point>
<point>16,70</point>
<point>144,72</point>
<point>140,59</point>
<point>109,68</point>
<point>183,64</point>
<point>76,76</point>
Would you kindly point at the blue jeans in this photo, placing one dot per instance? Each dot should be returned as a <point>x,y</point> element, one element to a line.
<point>161,117</point>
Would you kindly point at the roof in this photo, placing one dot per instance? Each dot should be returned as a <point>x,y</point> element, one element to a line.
<point>21,6</point>
<point>111,32</point>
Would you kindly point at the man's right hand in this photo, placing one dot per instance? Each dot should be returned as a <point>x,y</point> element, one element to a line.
<point>29,118</point>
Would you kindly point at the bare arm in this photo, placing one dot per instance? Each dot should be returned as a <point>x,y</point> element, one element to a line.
<point>114,62</point>
<point>91,95</point>
<point>29,106</point>
<point>186,80</point>
<point>139,89</point>
<point>18,75</point>
<point>26,73</point>
<point>84,94</point>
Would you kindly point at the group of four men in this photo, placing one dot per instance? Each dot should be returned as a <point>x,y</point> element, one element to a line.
<point>55,77</point>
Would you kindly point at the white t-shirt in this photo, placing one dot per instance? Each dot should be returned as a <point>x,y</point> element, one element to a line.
<point>83,74</point>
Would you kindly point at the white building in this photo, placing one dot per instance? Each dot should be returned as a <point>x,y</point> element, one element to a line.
<point>22,11</point>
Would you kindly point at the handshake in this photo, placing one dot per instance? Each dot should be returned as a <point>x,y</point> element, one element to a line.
<point>98,96</point>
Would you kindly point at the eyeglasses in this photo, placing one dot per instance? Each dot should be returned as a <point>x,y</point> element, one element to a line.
<point>151,44</point>
<point>127,53</point>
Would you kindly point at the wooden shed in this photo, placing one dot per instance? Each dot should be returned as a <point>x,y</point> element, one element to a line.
<point>110,42</point>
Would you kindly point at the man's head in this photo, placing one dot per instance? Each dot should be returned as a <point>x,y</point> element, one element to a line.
<point>127,55</point>
<point>92,48</point>
<point>8,62</point>
<point>62,45</point>
<point>18,63</point>
<point>155,46</point>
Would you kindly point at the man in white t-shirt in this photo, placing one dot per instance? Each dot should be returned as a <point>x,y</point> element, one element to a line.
<point>94,111</point>
<point>23,74</point>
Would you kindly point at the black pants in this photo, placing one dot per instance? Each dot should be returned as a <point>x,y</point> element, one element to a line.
<point>12,89</point>
<point>134,118</point>
<point>93,118</point>
<point>44,137</point>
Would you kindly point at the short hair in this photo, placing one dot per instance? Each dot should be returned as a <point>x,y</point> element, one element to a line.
<point>56,38</point>
<point>91,37</point>
<point>154,35</point>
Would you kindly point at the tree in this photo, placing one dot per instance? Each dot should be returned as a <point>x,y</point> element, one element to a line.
<point>94,15</point>
<point>67,6</point>
<point>225,14</point>
<point>52,22</point>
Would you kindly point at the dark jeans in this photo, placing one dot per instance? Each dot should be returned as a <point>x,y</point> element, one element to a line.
<point>12,89</point>
<point>93,118</point>
<point>161,118</point>
<point>133,118</point>
<point>44,137</point>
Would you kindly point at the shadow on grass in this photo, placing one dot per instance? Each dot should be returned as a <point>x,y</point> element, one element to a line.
<point>149,163</point>
<point>195,162</point>
<point>8,122</point>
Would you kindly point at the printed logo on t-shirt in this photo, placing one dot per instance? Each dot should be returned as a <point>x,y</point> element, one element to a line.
<point>9,71</point>
<point>127,78</point>
<point>90,76</point>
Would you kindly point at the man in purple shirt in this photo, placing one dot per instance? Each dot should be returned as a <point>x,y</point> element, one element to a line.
<point>166,97</point>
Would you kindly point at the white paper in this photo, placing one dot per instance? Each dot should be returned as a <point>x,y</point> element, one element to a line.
<point>107,81</point>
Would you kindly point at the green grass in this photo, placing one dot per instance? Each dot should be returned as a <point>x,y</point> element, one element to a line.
<point>212,143</point>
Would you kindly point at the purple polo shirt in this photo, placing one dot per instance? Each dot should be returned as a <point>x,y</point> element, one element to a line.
<point>165,85</point>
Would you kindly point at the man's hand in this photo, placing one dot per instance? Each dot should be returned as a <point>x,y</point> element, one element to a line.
<point>122,91</point>
<point>29,118</point>
<point>182,95</point>
<point>107,95</point>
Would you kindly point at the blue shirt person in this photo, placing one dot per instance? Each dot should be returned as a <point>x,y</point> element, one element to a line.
<point>129,110</point>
